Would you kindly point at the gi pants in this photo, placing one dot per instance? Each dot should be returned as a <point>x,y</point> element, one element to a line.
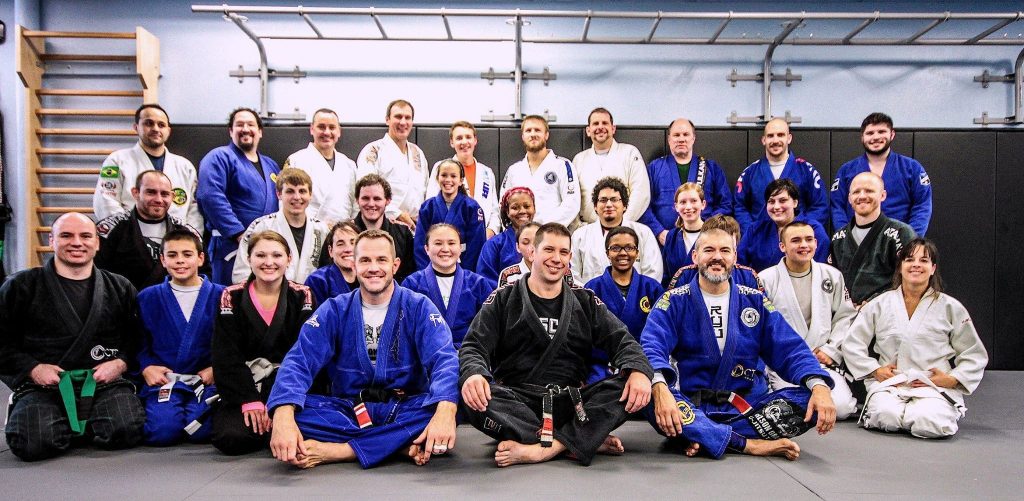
<point>228,432</point>
<point>38,426</point>
<point>396,423</point>
<point>166,421</point>
<point>921,411</point>
<point>515,413</point>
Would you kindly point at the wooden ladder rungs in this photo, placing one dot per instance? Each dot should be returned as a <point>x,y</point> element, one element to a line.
<point>57,171</point>
<point>63,210</point>
<point>43,229</point>
<point>65,191</point>
<point>77,34</point>
<point>85,112</point>
<point>89,92</point>
<point>74,151</point>
<point>46,249</point>
<point>85,132</point>
<point>102,58</point>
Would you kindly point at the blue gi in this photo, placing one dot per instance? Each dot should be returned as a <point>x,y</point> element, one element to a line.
<point>679,327</point>
<point>231,194</point>
<point>675,254</point>
<point>661,215</point>
<point>749,202</point>
<point>184,347</point>
<point>908,191</point>
<point>415,356</point>
<point>465,215</point>
<point>498,253</point>
<point>741,275</point>
<point>327,282</point>
<point>469,291</point>
<point>759,248</point>
<point>632,310</point>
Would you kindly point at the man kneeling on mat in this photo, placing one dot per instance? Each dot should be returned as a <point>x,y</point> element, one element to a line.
<point>720,336</point>
<point>527,353</point>
<point>388,355</point>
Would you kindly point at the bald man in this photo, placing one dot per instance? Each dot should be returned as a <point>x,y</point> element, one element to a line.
<point>865,249</point>
<point>67,331</point>
<point>777,163</point>
<point>681,166</point>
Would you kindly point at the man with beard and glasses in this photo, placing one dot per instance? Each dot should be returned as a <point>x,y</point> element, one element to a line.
<point>388,354</point>
<point>236,186</point>
<point>131,240</point>
<point>713,338</point>
<point>865,249</point>
<point>551,178</point>
<point>114,187</point>
<point>908,187</point>
<point>333,174</point>
<point>610,158</point>
<point>778,163</point>
<point>399,161</point>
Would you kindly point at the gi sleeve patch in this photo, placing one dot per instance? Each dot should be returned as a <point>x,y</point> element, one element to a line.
<point>835,185</point>
<point>110,171</point>
<point>663,302</point>
<point>312,321</point>
<point>550,177</point>
<point>827,286</point>
<point>645,304</point>
<point>179,196</point>
<point>925,180</point>
<point>768,305</point>
<point>750,316</point>
<point>686,413</point>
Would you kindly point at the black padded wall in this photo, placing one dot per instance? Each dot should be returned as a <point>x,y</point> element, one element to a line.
<point>975,175</point>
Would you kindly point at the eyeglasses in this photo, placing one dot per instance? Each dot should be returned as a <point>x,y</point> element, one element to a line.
<point>612,200</point>
<point>629,249</point>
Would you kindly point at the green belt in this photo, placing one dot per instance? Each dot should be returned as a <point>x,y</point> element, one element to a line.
<point>81,378</point>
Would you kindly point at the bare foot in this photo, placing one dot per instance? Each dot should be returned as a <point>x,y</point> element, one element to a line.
<point>511,452</point>
<point>612,446</point>
<point>783,447</point>
<point>694,448</point>
<point>318,453</point>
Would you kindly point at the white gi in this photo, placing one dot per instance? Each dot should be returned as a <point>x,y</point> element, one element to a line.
<point>555,188</point>
<point>485,193</point>
<point>622,161</point>
<point>939,332</point>
<point>333,197</point>
<point>589,258</point>
<point>117,178</point>
<point>832,311</point>
<point>302,264</point>
<point>406,173</point>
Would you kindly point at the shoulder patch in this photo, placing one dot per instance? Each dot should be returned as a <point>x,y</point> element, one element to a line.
<point>110,172</point>
<point>835,185</point>
<point>307,298</point>
<point>746,291</point>
<point>568,170</point>
<point>372,155</point>
<point>925,180</point>
<point>226,303</point>
<point>107,224</point>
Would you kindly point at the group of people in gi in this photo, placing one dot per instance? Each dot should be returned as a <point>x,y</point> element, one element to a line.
<point>352,311</point>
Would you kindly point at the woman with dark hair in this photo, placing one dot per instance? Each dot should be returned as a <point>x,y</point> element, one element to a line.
<point>259,322</point>
<point>518,207</point>
<point>454,207</point>
<point>928,353</point>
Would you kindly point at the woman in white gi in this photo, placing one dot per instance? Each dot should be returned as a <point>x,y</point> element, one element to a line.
<point>929,354</point>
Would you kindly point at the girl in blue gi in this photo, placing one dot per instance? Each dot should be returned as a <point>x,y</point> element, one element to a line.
<point>259,322</point>
<point>689,203</point>
<point>517,208</point>
<point>339,275</point>
<point>628,294</point>
<point>760,248</point>
<point>454,207</point>
<point>456,292</point>
<point>177,318</point>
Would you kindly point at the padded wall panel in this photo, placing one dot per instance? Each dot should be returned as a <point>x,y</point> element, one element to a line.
<point>811,145</point>
<point>1008,349</point>
<point>728,147</point>
<point>961,166</point>
<point>436,145</point>
<point>564,141</point>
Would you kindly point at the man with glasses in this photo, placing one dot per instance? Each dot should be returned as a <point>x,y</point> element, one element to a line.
<point>589,259</point>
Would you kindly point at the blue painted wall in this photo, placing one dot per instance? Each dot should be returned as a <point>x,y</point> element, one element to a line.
<point>642,85</point>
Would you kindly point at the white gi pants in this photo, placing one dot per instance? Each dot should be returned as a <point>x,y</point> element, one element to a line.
<point>922,411</point>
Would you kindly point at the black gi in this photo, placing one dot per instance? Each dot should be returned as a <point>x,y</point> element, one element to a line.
<point>124,250</point>
<point>868,268</point>
<point>507,344</point>
<point>39,325</point>
<point>241,335</point>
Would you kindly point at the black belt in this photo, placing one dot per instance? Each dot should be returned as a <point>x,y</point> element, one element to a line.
<point>373,395</point>
<point>548,423</point>
<point>720,397</point>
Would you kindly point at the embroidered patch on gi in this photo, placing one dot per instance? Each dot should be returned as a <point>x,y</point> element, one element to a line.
<point>835,185</point>
<point>371,156</point>
<point>436,319</point>
<point>768,305</point>
<point>550,177</point>
<point>484,190</point>
<point>686,412</point>
<point>110,171</point>
<point>273,177</point>
<point>925,180</point>
<point>750,316</point>
<point>312,321</point>
<point>778,419</point>
<point>103,228</point>
<point>568,170</point>
<point>98,352</point>
<point>645,304</point>
<point>662,303</point>
<point>827,286</point>
<point>180,197</point>
<point>492,425</point>
<point>479,214</point>
<point>109,185</point>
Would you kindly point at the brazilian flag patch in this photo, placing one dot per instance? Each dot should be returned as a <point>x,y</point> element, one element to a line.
<point>110,171</point>
<point>180,197</point>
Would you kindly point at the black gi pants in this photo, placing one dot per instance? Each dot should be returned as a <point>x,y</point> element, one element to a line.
<point>515,413</point>
<point>38,426</point>
<point>228,432</point>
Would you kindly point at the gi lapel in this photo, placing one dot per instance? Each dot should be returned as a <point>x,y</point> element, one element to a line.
<point>61,303</point>
<point>732,333</point>
<point>88,327</point>
<point>188,328</point>
<point>282,228</point>
<point>388,344</point>
<point>913,326</point>
<point>561,336</point>
<point>434,291</point>
<point>867,245</point>
<point>452,213</point>
<point>456,295</point>
<point>355,304</point>
<point>277,323</point>
<point>616,303</point>
<point>788,298</point>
